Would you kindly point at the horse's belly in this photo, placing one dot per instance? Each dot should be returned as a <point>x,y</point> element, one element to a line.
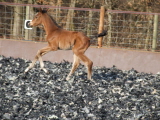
<point>66,46</point>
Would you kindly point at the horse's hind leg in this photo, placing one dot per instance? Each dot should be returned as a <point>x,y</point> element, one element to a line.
<point>74,66</point>
<point>39,57</point>
<point>87,62</point>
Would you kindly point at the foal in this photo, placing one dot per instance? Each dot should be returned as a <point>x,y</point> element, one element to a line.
<point>59,38</point>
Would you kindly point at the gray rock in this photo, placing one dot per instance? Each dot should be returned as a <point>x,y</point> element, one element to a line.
<point>7,116</point>
<point>114,95</point>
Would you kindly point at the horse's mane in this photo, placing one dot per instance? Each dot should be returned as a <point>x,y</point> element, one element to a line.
<point>54,21</point>
<point>45,11</point>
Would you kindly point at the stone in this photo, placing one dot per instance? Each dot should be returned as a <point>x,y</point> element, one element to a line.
<point>112,95</point>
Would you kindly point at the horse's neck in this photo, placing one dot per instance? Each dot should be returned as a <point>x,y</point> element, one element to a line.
<point>48,24</point>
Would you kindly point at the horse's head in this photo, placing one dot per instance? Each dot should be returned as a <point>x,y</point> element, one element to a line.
<point>37,20</point>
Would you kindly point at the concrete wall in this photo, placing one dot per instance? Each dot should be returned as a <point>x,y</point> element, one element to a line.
<point>123,59</point>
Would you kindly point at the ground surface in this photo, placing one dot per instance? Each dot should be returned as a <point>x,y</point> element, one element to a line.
<point>112,95</point>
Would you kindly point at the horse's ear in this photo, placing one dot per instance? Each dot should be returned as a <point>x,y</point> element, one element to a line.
<point>40,9</point>
<point>47,9</point>
<point>44,10</point>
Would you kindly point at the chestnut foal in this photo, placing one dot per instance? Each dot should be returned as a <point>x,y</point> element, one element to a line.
<point>59,38</point>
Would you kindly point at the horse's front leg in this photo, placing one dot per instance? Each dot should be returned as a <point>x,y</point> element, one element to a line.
<point>74,66</point>
<point>31,64</point>
<point>39,55</point>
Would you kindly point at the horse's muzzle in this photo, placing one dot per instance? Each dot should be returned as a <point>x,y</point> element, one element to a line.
<point>30,24</point>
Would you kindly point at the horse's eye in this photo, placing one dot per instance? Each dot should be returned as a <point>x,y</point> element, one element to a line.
<point>36,16</point>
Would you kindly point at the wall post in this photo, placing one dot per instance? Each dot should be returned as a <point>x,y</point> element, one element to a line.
<point>155,31</point>
<point>27,18</point>
<point>101,25</point>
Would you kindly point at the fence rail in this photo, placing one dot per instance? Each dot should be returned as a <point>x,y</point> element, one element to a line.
<point>126,29</point>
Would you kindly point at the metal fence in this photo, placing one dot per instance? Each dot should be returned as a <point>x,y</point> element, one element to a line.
<point>126,29</point>
<point>132,30</point>
<point>13,16</point>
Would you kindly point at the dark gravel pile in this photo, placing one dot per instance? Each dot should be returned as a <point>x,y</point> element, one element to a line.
<point>112,95</point>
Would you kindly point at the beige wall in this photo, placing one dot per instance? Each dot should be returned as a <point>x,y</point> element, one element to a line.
<point>123,59</point>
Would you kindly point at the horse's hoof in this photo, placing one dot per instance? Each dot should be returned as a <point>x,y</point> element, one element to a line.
<point>26,70</point>
<point>67,78</point>
<point>89,78</point>
<point>45,70</point>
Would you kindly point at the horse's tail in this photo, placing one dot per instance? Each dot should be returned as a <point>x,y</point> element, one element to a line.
<point>104,33</point>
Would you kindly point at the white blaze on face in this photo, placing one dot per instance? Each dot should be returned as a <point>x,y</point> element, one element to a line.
<point>30,23</point>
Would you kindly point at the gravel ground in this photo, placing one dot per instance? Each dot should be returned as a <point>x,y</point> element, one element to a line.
<point>112,95</point>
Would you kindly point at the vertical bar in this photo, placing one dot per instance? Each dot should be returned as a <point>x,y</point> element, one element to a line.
<point>27,18</point>
<point>11,23</point>
<point>101,25</point>
<point>149,24</point>
<point>5,24</point>
<point>89,24</point>
<point>109,29</point>
<point>70,15</point>
<point>155,31</point>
